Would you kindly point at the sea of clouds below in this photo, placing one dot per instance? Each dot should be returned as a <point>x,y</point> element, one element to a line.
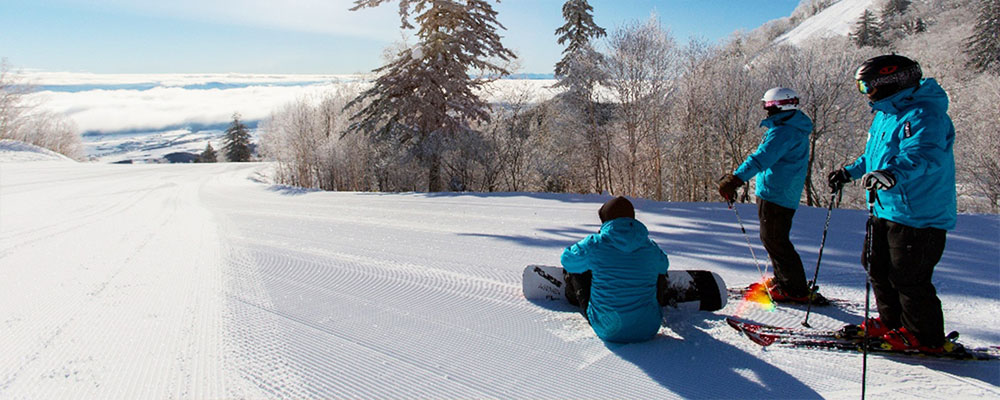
<point>120,114</point>
<point>132,102</point>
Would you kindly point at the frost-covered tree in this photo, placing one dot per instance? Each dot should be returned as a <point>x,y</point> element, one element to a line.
<point>983,46</point>
<point>977,154</point>
<point>237,141</point>
<point>894,21</point>
<point>13,107</point>
<point>893,8</point>
<point>426,97</point>
<point>866,31</point>
<point>507,147</point>
<point>642,68</point>
<point>23,118</point>
<point>305,138</point>
<point>808,8</point>
<point>208,156</point>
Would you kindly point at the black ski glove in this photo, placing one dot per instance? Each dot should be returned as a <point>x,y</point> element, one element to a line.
<point>837,179</point>
<point>728,185</point>
<point>879,180</point>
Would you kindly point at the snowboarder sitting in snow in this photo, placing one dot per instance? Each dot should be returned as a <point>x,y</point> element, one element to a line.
<point>613,275</point>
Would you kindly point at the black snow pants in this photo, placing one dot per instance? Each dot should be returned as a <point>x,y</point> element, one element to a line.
<point>775,226</point>
<point>578,289</point>
<point>901,264</point>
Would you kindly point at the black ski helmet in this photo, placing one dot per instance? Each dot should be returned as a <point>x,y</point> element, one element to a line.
<point>884,76</point>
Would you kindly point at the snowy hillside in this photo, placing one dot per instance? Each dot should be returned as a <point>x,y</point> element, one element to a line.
<point>15,151</point>
<point>199,281</point>
<point>836,20</point>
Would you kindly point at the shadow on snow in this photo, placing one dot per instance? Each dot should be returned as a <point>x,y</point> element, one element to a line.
<point>677,363</point>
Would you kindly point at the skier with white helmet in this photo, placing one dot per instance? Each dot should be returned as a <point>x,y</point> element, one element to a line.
<point>779,164</point>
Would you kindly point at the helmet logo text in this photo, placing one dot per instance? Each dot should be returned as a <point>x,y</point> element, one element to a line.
<point>888,70</point>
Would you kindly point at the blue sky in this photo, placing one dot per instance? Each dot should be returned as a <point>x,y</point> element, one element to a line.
<point>304,36</point>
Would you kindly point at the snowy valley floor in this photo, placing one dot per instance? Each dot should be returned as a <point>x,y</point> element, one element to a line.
<point>200,281</point>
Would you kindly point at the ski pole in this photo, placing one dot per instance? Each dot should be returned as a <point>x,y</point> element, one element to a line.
<point>870,232</point>
<point>822,243</point>
<point>752,254</point>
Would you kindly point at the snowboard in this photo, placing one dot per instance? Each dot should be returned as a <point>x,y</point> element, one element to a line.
<point>685,289</point>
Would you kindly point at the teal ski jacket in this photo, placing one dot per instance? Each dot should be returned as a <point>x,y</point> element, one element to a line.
<point>625,264</point>
<point>912,137</point>
<point>781,160</point>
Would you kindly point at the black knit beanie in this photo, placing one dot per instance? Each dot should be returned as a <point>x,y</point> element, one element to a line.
<point>617,207</point>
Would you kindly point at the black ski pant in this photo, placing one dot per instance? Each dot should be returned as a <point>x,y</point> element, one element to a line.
<point>901,264</point>
<point>578,289</point>
<point>775,226</point>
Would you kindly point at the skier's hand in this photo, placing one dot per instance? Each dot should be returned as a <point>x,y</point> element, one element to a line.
<point>878,180</point>
<point>837,179</point>
<point>728,185</point>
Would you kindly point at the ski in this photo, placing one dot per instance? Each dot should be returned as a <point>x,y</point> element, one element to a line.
<point>768,335</point>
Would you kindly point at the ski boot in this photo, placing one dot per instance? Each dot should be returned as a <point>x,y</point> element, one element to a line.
<point>903,340</point>
<point>876,329</point>
<point>780,296</point>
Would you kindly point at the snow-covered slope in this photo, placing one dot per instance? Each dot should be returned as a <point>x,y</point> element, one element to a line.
<point>196,281</point>
<point>15,151</point>
<point>836,20</point>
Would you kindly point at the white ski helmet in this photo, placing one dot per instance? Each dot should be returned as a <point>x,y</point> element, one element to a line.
<point>781,98</point>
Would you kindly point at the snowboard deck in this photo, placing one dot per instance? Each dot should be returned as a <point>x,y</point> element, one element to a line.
<point>686,289</point>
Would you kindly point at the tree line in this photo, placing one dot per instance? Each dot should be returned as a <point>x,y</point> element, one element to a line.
<point>637,113</point>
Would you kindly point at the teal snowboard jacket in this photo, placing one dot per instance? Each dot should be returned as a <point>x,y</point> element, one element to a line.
<point>625,264</point>
<point>912,137</point>
<point>781,159</point>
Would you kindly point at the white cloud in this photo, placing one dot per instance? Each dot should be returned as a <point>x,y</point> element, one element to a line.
<point>170,104</point>
<point>153,109</point>
<point>44,78</point>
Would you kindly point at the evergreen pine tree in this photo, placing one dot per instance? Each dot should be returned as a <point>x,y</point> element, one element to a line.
<point>208,156</point>
<point>866,31</point>
<point>581,66</point>
<point>576,33</point>
<point>579,71</point>
<point>919,26</point>
<point>237,141</point>
<point>426,97</point>
<point>983,46</point>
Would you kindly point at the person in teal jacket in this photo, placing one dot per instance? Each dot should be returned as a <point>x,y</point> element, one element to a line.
<point>780,165</point>
<point>908,168</point>
<point>623,265</point>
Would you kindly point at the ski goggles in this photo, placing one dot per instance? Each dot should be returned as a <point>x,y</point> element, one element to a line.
<point>779,103</point>
<point>864,87</point>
